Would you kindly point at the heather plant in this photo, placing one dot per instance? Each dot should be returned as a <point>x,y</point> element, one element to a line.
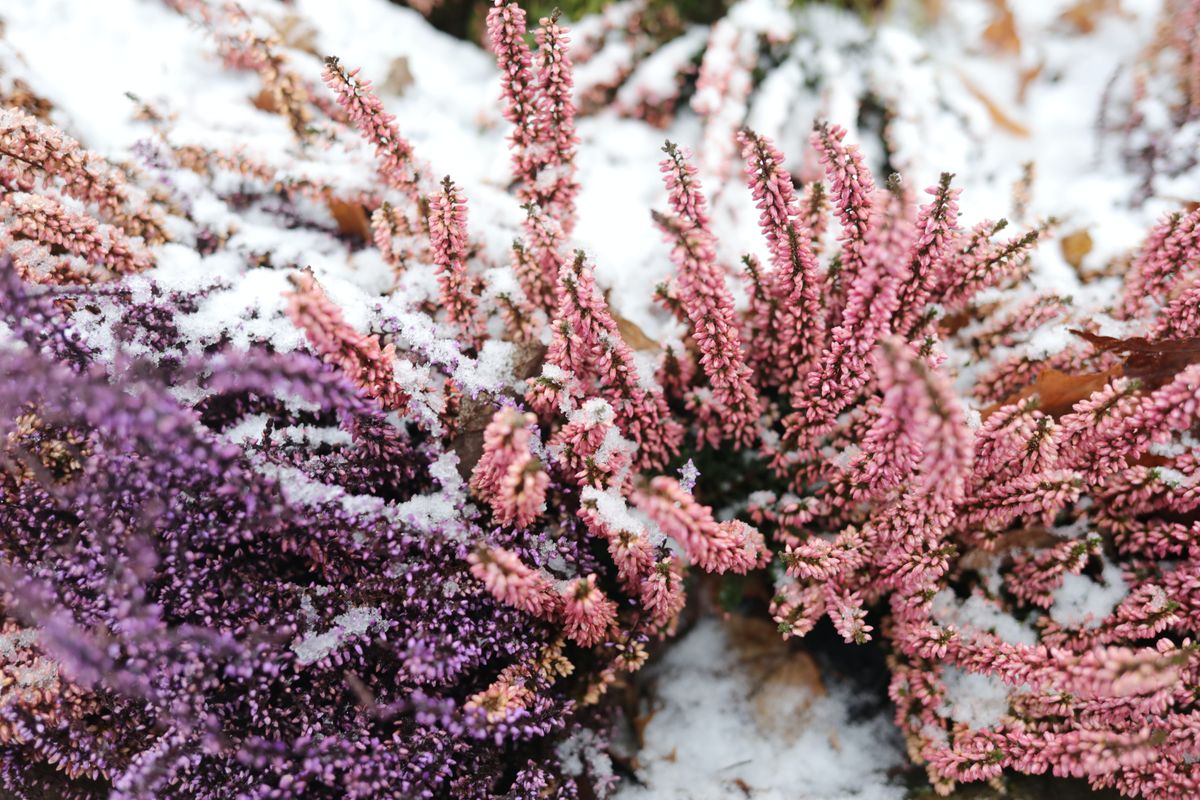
<point>334,541</point>
<point>1151,106</point>
<point>777,67</point>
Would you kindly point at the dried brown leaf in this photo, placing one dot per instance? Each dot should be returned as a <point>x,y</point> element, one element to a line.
<point>1001,33</point>
<point>1026,79</point>
<point>998,115</point>
<point>1085,15</point>
<point>1057,391</point>
<point>1152,363</point>
<point>1075,246</point>
<point>351,219</point>
<point>399,76</point>
<point>265,101</point>
<point>633,335</point>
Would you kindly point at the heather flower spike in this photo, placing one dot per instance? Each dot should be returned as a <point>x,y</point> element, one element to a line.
<point>360,356</point>
<point>793,325</point>
<point>703,293</point>
<point>448,242</point>
<point>731,546</point>
<point>556,184</point>
<point>587,343</point>
<point>508,477</point>
<point>398,166</point>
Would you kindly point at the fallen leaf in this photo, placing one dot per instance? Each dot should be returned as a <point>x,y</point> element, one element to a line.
<point>399,76</point>
<point>1058,391</point>
<point>998,115</point>
<point>351,219</point>
<point>1152,363</point>
<point>1075,246</point>
<point>633,335</point>
<point>528,359</point>
<point>295,31</point>
<point>1026,78</point>
<point>474,415</point>
<point>1001,33</point>
<point>265,101</point>
<point>1085,15</point>
<point>639,726</point>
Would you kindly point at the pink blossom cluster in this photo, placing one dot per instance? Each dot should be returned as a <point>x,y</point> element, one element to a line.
<point>398,166</point>
<point>507,476</point>
<point>363,359</point>
<point>71,216</point>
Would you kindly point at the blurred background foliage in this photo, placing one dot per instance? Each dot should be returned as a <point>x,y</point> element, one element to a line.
<point>465,18</point>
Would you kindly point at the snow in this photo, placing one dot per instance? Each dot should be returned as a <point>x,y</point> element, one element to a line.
<point>355,621</point>
<point>1083,602</point>
<point>980,614</point>
<point>979,700</point>
<point>716,732</point>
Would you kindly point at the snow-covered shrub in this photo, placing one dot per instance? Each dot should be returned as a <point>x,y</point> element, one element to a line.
<point>1152,113</point>
<point>777,70</point>
<point>318,482</point>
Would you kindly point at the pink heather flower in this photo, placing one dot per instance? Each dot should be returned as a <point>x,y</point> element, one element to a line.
<point>731,546</point>
<point>368,365</point>
<point>1171,250</point>
<point>388,224</point>
<point>45,220</point>
<point>1003,328</point>
<point>520,100</point>
<point>507,476</point>
<point>936,418</point>
<point>628,545</point>
<point>556,185</point>
<point>35,263</point>
<point>976,263</point>
<point>586,342</point>
<point>448,243</point>
<point>32,154</point>
<point>814,215</point>
<point>935,233</point>
<point>1039,495</point>
<point>662,592</point>
<point>722,88</point>
<point>1015,440</point>
<point>914,459</point>
<point>550,392</point>
<point>826,559</point>
<point>1168,410</point>
<point>590,447</point>
<point>397,164</point>
<point>1181,318</point>
<point>542,141</point>
<point>703,293</point>
<point>1088,441</point>
<point>851,188</point>
<point>796,608</point>
<point>874,296</point>
<point>513,583</point>
<point>1035,575</point>
<point>790,318</point>
<point>538,261</point>
<point>588,616</point>
<point>848,616</point>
